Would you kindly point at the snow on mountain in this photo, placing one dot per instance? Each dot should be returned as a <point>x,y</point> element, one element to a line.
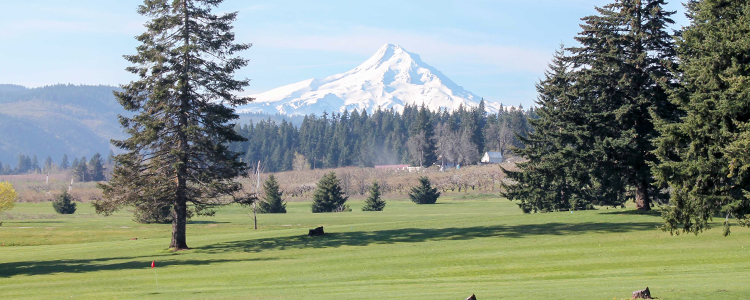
<point>392,78</point>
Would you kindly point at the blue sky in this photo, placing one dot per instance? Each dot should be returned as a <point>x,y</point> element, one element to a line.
<point>496,49</point>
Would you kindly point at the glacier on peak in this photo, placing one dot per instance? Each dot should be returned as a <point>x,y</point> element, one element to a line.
<point>391,78</point>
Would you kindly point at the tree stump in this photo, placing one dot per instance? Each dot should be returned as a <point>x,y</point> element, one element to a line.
<point>316,232</point>
<point>472,297</point>
<point>644,294</point>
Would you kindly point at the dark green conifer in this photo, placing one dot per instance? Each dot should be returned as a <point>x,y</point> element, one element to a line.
<point>555,176</point>
<point>177,153</point>
<point>424,193</point>
<point>81,171</point>
<point>623,69</point>
<point>64,164</point>
<point>272,202</point>
<point>64,204</point>
<point>328,197</point>
<point>96,168</point>
<point>374,202</point>
<point>704,156</point>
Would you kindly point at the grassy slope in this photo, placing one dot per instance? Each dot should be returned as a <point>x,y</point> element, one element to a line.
<point>444,251</point>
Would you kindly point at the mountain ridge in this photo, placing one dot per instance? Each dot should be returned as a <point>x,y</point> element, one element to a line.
<point>391,78</point>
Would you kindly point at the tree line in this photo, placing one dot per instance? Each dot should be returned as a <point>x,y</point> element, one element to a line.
<point>638,112</point>
<point>82,170</point>
<point>415,136</point>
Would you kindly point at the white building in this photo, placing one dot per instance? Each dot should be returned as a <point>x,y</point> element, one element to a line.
<point>492,158</point>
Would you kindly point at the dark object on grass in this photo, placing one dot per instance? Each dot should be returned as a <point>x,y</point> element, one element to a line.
<point>64,204</point>
<point>424,193</point>
<point>133,239</point>
<point>644,294</point>
<point>316,232</point>
<point>472,297</point>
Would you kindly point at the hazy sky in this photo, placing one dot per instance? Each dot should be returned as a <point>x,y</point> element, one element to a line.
<point>496,49</point>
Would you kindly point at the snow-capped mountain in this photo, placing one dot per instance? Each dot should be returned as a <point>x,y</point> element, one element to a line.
<point>391,78</point>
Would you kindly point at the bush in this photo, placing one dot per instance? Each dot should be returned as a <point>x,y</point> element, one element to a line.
<point>272,204</point>
<point>374,202</point>
<point>8,196</point>
<point>64,204</point>
<point>424,193</point>
<point>328,196</point>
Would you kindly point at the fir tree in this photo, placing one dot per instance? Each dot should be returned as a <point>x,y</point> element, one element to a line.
<point>35,164</point>
<point>74,165</point>
<point>110,157</point>
<point>177,153</point>
<point>555,176</point>
<point>624,65</point>
<point>96,168</point>
<point>422,139</point>
<point>424,193</point>
<point>48,163</point>
<point>64,204</point>
<point>272,202</point>
<point>81,171</point>
<point>64,163</point>
<point>704,157</point>
<point>328,197</point>
<point>374,202</point>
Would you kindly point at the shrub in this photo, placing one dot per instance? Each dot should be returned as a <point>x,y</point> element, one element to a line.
<point>328,196</point>
<point>8,196</point>
<point>272,204</point>
<point>374,202</point>
<point>64,204</point>
<point>424,193</point>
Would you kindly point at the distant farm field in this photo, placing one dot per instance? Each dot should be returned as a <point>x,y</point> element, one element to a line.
<point>464,245</point>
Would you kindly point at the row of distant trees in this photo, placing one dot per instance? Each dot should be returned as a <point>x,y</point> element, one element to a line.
<point>638,112</point>
<point>414,136</point>
<point>82,169</point>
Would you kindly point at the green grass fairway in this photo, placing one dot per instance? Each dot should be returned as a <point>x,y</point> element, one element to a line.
<point>464,245</point>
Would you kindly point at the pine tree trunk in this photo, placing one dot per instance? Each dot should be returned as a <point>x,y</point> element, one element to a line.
<point>642,200</point>
<point>179,226</point>
<point>179,219</point>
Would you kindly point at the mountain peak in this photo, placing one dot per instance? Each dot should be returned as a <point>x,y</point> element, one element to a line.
<point>386,53</point>
<point>391,78</point>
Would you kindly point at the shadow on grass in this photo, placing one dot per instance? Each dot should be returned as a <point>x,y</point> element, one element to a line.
<point>31,268</point>
<point>416,235</point>
<point>632,212</point>
<point>207,222</point>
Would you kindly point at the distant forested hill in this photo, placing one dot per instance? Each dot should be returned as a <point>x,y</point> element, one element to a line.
<point>54,120</point>
<point>77,120</point>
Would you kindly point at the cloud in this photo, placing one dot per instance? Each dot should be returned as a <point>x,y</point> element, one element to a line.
<point>366,40</point>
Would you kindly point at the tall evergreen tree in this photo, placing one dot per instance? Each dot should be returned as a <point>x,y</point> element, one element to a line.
<point>555,176</point>
<point>422,139</point>
<point>35,164</point>
<point>177,152</point>
<point>704,157</point>
<point>48,163</point>
<point>373,201</point>
<point>96,168</point>
<point>328,197</point>
<point>64,163</point>
<point>273,203</point>
<point>74,165</point>
<point>624,64</point>
<point>81,171</point>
